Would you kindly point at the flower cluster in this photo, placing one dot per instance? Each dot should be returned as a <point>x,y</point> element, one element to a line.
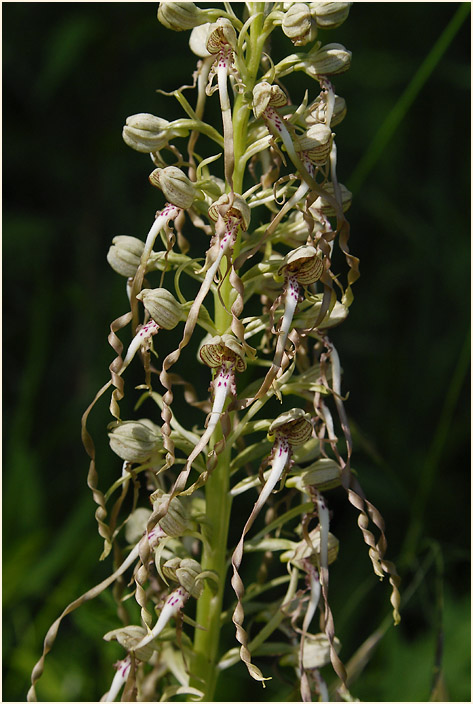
<point>267,219</point>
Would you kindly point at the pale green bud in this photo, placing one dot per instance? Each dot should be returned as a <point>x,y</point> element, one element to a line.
<point>329,60</point>
<point>135,441</point>
<point>325,207</point>
<point>163,308</point>
<point>145,133</point>
<point>174,522</point>
<point>298,25</point>
<point>175,185</point>
<point>125,254</point>
<point>185,571</point>
<point>330,15</point>
<point>180,16</point>
<point>129,637</point>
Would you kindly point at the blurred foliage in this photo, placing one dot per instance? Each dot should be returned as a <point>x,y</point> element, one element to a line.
<point>72,74</point>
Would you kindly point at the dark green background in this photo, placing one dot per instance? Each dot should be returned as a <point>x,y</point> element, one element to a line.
<point>72,74</point>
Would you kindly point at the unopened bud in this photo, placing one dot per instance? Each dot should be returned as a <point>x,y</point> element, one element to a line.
<point>323,474</point>
<point>330,15</point>
<point>125,254</point>
<point>329,60</point>
<point>325,207</point>
<point>185,571</point>
<point>175,185</point>
<point>266,95</point>
<point>295,425</point>
<point>299,25</point>
<point>146,133</point>
<point>180,16</point>
<point>135,441</point>
<point>162,306</point>
<point>174,522</point>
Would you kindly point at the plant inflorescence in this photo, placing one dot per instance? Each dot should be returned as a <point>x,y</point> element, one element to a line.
<point>259,196</point>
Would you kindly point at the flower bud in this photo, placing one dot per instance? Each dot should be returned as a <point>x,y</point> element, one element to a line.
<point>129,637</point>
<point>298,24</point>
<point>174,522</point>
<point>316,112</point>
<point>175,185</point>
<point>220,348</point>
<point>329,60</point>
<point>162,306</point>
<point>146,133</point>
<point>136,525</point>
<point>330,15</point>
<point>125,254</point>
<point>323,474</point>
<point>325,207</point>
<point>180,16</point>
<point>135,441</point>
<point>185,571</point>
<point>316,143</point>
<point>304,263</point>
<point>239,209</point>
<point>267,95</point>
<point>295,425</point>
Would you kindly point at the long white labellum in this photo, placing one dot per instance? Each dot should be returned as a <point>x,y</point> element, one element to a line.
<point>173,605</point>
<point>121,676</point>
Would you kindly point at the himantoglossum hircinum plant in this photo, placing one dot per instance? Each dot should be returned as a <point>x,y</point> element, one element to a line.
<point>265,221</point>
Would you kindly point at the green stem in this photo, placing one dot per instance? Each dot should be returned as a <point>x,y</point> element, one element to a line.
<point>203,666</point>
